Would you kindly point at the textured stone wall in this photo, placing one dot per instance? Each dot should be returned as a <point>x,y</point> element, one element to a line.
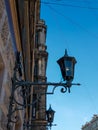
<point>7,59</point>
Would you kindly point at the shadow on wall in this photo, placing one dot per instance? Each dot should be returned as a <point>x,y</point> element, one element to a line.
<point>1,72</point>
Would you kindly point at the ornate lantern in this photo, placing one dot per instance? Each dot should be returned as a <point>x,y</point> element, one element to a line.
<point>50,115</point>
<point>67,64</point>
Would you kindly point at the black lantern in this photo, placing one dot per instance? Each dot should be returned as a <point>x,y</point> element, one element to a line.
<point>67,64</point>
<point>50,115</point>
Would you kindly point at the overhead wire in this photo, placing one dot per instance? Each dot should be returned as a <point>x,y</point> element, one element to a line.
<point>69,5</point>
<point>83,28</point>
<point>60,29</point>
<point>73,22</point>
<point>91,99</point>
<point>73,1</point>
<point>88,3</point>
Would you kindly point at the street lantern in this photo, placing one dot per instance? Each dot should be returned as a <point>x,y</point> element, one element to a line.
<point>67,64</point>
<point>50,115</point>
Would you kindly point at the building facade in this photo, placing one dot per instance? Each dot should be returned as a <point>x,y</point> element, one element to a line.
<point>92,125</point>
<point>22,32</point>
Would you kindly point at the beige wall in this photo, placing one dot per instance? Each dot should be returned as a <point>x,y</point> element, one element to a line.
<point>7,62</point>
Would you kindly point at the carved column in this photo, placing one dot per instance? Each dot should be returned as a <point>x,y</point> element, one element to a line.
<point>41,57</point>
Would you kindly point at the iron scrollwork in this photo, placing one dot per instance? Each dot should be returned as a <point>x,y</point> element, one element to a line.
<point>22,88</point>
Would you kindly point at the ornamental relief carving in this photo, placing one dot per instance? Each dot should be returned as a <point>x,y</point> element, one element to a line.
<point>6,47</point>
<point>5,31</point>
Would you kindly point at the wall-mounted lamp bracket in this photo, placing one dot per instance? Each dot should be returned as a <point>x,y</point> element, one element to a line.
<point>23,88</point>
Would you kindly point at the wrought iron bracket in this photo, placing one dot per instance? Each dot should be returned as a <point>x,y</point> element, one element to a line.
<point>22,87</point>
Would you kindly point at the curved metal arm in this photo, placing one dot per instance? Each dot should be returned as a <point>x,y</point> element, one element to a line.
<point>24,87</point>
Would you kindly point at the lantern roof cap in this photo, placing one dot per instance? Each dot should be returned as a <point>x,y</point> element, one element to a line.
<point>68,57</point>
<point>50,109</point>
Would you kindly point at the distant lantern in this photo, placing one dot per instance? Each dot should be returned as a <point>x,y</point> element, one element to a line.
<point>50,115</point>
<point>67,65</point>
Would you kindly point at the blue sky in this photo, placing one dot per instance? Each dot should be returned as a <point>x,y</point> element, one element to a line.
<point>73,25</point>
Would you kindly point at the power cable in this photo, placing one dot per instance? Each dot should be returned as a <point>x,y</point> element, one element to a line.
<point>93,11</point>
<point>91,99</point>
<point>76,1</point>
<point>59,27</point>
<point>73,22</point>
<point>68,5</point>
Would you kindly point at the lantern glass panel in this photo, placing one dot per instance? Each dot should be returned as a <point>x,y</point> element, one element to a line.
<point>68,67</point>
<point>50,115</point>
<point>67,64</point>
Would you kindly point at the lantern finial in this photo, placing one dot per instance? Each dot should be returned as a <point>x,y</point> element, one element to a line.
<point>66,52</point>
<point>50,106</point>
